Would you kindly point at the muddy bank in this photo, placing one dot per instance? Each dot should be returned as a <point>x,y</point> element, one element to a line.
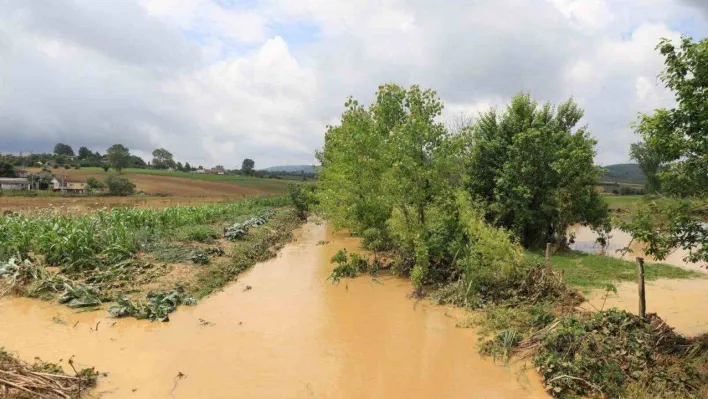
<point>293,334</point>
<point>585,242</point>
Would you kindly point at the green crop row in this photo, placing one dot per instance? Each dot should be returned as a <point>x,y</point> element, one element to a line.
<point>77,242</point>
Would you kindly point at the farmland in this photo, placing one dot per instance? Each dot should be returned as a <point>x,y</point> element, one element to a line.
<point>123,255</point>
<point>163,189</point>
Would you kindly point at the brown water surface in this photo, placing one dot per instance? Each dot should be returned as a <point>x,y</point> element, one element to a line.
<point>293,335</point>
<point>585,242</point>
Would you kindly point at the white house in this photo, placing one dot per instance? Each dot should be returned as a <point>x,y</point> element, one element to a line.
<point>14,183</point>
<point>69,186</point>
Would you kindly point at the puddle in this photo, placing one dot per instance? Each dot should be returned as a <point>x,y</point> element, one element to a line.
<point>293,335</point>
<point>585,242</point>
<point>675,301</point>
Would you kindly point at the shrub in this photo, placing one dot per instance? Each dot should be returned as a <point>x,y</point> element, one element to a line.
<point>118,185</point>
<point>93,184</point>
<point>302,197</point>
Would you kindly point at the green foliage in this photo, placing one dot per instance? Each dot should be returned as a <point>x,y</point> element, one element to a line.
<point>348,266</point>
<point>198,233</point>
<point>588,271</point>
<point>93,184</point>
<point>533,170</point>
<point>157,307</point>
<point>198,257</point>
<point>63,149</point>
<point>84,241</point>
<point>7,170</point>
<point>606,353</point>
<point>649,162</point>
<point>118,157</point>
<point>665,224</point>
<point>118,185</point>
<point>162,159</point>
<point>80,295</point>
<point>302,197</point>
<point>247,166</point>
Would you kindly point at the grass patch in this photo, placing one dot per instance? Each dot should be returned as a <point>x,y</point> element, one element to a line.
<point>198,233</point>
<point>588,271</point>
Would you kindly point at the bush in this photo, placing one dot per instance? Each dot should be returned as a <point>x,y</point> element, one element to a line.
<point>302,197</point>
<point>119,186</point>
<point>93,184</point>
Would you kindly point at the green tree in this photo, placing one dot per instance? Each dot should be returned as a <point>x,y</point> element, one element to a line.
<point>7,170</point>
<point>84,153</point>
<point>118,185</point>
<point>533,170</point>
<point>63,149</point>
<point>187,167</point>
<point>179,167</point>
<point>118,157</point>
<point>679,137</point>
<point>649,162</point>
<point>162,159</point>
<point>386,175</point>
<point>247,166</point>
<point>93,184</point>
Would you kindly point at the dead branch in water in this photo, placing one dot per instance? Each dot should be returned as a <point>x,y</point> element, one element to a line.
<point>21,380</point>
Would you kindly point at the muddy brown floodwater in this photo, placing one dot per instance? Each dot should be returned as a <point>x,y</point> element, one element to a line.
<point>293,335</point>
<point>585,242</point>
<point>676,301</point>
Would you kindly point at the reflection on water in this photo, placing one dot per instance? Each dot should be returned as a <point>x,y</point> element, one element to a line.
<point>293,335</point>
<point>585,241</point>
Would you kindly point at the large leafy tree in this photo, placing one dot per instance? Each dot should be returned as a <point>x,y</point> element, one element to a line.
<point>679,137</point>
<point>649,162</point>
<point>533,170</point>
<point>84,153</point>
<point>118,156</point>
<point>247,166</point>
<point>7,170</point>
<point>386,176</point>
<point>63,149</point>
<point>162,159</point>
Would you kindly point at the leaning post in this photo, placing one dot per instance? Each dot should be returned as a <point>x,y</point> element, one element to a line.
<point>640,283</point>
<point>548,254</point>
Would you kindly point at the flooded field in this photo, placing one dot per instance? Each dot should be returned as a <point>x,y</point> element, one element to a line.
<point>293,334</point>
<point>585,242</point>
<point>675,301</point>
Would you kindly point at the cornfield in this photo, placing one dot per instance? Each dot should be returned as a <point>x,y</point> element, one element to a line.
<point>79,242</point>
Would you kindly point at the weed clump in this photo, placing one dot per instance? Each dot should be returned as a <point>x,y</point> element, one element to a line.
<point>613,353</point>
<point>348,266</point>
<point>157,307</point>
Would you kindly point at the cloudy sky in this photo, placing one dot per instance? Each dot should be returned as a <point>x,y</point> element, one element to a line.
<point>215,81</point>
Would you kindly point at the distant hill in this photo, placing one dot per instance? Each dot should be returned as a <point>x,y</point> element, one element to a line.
<point>624,172</point>
<point>291,168</point>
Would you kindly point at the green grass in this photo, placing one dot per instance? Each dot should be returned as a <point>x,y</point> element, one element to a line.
<point>587,271</point>
<point>621,201</point>
<point>273,185</point>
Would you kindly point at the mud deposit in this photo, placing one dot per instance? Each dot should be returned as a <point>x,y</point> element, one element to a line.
<point>292,335</point>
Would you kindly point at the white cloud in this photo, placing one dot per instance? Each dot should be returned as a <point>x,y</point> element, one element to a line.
<point>218,81</point>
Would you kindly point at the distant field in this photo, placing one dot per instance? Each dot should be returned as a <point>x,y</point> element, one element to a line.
<point>183,183</point>
<point>181,189</point>
<point>621,201</point>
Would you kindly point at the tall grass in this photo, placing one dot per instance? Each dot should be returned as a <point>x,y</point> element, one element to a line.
<point>77,242</point>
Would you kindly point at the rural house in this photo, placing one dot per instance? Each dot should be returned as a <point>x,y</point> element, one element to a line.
<point>67,186</point>
<point>21,173</point>
<point>14,183</point>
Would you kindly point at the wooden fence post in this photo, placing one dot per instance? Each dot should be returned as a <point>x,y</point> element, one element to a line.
<point>640,282</point>
<point>548,254</point>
